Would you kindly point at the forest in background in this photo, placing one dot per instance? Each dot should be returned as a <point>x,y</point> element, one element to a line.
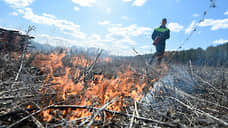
<point>212,56</point>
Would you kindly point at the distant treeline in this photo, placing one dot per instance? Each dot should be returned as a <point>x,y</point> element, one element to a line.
<point>212,56</point>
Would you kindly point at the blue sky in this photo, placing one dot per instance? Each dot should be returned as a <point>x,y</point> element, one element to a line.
<point>117,25</point>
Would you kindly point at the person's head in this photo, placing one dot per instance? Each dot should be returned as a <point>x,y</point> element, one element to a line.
<point>164,22</point>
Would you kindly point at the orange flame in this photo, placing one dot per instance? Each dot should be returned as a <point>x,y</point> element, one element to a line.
<point>15,55</point>
<point>108,59</point>
<point>29,106</point>
<point>47,116</point>
<point>73,83</point>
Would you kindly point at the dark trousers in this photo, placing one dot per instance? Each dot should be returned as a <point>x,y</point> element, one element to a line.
<point>160,50</point>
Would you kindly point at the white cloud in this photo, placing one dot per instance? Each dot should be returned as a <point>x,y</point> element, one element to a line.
<point>19,3</point>
<point>195,15</point>
<point>220,41</point>
<point>94,37</point>
<point>67,27</point>
<point>118,31</point>
<point>49,15</point>
<point>119,39</point>
<point>21,11</point>
<point>175,27</point>
<point>85,3</point>
<point>139,2</point>
<point>190,27</point>
<point>215,24</point>
<point>226,13</point>
<point>136,2</point>
<point>76,8</point>
<point>124,18</point>
<point>124,36</point>
<point>14,13</point>
<point>115,47</point>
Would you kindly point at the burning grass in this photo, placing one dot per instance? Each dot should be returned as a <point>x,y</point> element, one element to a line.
<point>62,90</point>
<point>75,85</point>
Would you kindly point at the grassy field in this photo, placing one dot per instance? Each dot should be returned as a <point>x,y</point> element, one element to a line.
<point>62,90</point>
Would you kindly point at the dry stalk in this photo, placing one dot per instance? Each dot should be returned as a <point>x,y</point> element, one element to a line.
<point>201,112</point>
<point>72,107</point>
<point>27,117</point>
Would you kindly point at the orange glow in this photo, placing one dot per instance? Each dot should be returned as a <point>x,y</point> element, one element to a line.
<point>29,106</point>
<point>47,116</point>
<point>27,55</point>
<point>108,59</point>
<point>71,83</point>
<point>15,55</point>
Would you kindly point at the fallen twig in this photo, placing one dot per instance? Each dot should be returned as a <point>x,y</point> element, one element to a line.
<point>25,118</point>
<point>21,65</point>
<point>37,122</point>
<point>14,97</point>
<point>8,91</point>
<point>181,93</point>
<point>66,123</point>
<point>197,76</point>
<point>132,119</point>
<point>200,111</point>
<point>101,109</point>
<point>168,124</point>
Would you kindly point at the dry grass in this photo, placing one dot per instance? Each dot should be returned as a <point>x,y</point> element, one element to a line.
<point>169,106</point>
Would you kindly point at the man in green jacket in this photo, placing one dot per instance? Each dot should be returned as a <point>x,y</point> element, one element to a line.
<point>159,36</point>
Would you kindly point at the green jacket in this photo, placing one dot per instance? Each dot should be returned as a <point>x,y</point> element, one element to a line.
<point>163,32</point>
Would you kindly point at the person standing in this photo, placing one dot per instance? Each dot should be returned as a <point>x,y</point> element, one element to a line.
<point>159,36</point>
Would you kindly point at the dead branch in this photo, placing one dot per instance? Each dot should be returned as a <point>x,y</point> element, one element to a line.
<point>181,93</point>
<point>136,109</point>
<point>101,109</point>
<point>88,70</point>
<point>95,61</point>
<point>66,123</point>
<point>21,65</point>
<point>132,119</point>
<point>200,111</point>
<point>19,89</point>
<point>201,79</point>
<point>14,97</point>
<point>37,122</point>
<point>25,118</point>
<point>72,107</point>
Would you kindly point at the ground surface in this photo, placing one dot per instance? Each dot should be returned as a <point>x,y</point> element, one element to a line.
<point>168,96</point>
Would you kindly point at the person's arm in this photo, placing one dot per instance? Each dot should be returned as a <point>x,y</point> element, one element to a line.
<point>154,35</point>
<point>166,35</point>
